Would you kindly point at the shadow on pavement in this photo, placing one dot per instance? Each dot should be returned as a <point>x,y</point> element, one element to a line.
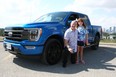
<point>95,59</point>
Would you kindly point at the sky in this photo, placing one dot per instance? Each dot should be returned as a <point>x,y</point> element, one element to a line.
<point>102,13</point>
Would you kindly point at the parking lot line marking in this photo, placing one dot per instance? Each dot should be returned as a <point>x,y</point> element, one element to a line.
<point>109,51</point>
<point>7,57</point>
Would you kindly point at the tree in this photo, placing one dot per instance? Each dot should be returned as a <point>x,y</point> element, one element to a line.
<point>1,31</point>
<point>113,34</point>
<point>105,34</point>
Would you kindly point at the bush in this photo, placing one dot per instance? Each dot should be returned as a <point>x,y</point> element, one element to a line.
<point>1,31</point>
<point>108,40</point>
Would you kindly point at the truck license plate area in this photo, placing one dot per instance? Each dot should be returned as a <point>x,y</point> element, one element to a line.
<point>8,46</point>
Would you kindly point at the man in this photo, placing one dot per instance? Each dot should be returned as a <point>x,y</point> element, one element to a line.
<point>70,41</point>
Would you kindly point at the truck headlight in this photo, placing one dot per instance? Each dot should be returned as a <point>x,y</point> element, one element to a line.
<point>34,34</point>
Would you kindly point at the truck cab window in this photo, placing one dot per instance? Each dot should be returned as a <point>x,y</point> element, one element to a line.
<point>71,18</point>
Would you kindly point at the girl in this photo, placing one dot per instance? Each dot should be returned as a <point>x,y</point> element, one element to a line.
<point>82,39</point>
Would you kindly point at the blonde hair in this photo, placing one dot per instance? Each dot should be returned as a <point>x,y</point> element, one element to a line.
<point>74,21</point>
<point>80,19</point>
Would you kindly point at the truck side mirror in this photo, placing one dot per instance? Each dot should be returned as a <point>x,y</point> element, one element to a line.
<point>69,22</point>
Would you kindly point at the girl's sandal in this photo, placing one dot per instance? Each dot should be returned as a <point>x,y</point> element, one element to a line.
<point>82,61</point>
<point>77,62</point>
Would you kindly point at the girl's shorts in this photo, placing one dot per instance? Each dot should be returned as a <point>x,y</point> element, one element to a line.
<point>80,43</point>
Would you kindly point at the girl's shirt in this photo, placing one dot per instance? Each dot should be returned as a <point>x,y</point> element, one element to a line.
<point>82,33</point>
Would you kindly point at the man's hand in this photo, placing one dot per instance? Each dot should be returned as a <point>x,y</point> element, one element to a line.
<point>87,43</point>
<point>71,50</point>
<point>68,46</point>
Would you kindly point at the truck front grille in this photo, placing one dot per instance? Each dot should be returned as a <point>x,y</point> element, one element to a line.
<point>15,33</point>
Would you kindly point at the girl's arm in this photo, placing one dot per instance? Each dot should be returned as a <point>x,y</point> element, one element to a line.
<point>86,39</point>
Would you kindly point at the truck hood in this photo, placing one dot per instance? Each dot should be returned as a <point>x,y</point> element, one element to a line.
<point>41,24</point>
<point>36,25</point>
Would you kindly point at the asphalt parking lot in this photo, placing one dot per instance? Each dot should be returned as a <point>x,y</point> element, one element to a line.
<point>99,63</point>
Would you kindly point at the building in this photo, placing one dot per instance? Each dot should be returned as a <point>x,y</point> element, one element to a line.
<point>114,29</point>
<point>111,33</point>
<point>110,30</point>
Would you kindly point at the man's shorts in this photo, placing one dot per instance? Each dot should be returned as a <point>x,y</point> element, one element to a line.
<point>80,43</point>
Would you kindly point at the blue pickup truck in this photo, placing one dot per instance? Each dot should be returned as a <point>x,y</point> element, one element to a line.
<point>44,37</point>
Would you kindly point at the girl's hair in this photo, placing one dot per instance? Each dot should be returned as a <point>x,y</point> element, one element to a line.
<point>80,19</point>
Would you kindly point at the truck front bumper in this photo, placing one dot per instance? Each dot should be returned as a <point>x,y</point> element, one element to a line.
<point>15,48</point>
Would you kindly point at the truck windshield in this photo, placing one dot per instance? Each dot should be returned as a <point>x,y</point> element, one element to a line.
<point>52,17</point>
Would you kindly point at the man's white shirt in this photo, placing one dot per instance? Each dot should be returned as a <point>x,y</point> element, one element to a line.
<point>71,36</point>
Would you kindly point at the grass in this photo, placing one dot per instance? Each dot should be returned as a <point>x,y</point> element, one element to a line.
<point>108,41</point>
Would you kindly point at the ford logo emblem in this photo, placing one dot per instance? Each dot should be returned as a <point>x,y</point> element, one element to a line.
<point>10,34</point>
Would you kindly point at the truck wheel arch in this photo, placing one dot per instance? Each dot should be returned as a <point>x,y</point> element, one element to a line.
<point>95,45</point>
<point>59,38</point>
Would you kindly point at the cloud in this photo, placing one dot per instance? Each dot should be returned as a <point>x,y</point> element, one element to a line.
<point>17,11</point>
<point>23,11</point>
<point>100,12</point>
<point>96,3</point>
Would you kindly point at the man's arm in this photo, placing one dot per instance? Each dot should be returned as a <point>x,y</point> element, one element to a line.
<point>68,46</point>
<point>66,43</point>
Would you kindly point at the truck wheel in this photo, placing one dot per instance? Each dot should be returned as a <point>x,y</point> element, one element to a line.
<point>52,52</point>
<point>96,43</point>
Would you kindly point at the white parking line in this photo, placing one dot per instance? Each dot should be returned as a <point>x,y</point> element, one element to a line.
<point>7,57</point>
<point>109,51</point>
<point>110,46</point>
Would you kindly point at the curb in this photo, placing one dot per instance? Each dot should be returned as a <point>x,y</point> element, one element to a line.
<point>112,44</point>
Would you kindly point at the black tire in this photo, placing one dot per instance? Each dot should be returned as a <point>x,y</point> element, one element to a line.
<point>96,43</point>
<point>52,52</point>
